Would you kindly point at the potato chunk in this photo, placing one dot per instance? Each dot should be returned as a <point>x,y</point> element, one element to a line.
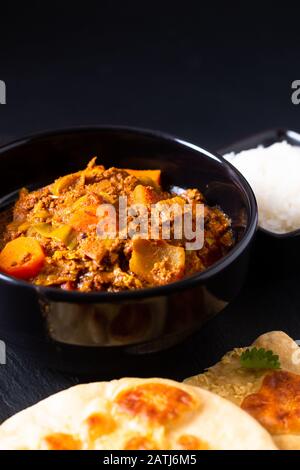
<point>157,262</point>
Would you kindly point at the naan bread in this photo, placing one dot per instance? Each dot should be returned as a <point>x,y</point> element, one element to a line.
<point>270,396</point>
<point>134,414</point>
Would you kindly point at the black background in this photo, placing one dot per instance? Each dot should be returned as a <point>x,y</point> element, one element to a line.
<point>211,73</point>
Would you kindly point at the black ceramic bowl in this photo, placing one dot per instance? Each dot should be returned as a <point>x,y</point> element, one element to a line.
<point>79,330</point>
<point>275,256</point>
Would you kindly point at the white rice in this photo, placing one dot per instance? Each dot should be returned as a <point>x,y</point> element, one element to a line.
<point>274,174</point>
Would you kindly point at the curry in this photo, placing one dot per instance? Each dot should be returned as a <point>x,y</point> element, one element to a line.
<point>52,238</point>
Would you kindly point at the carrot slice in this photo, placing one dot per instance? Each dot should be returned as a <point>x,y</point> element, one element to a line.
<point>145,175</point>
<point>22,258</point>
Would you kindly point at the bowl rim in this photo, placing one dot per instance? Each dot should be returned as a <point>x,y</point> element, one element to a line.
<point>56,294</point>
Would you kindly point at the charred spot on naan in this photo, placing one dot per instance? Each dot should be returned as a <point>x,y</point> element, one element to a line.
<point>190,442</point>
<point>277,403</point>
<point>61,441</point>
<point>141,443</point>
<point>98,424</point>
<point>159,403</point>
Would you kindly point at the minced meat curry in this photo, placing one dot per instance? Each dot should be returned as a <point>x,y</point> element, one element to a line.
<point>52,239</point>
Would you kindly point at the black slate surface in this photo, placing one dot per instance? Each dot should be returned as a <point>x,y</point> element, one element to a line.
<point>207,72</point>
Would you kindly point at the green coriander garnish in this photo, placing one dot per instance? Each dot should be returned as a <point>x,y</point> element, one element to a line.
<point>259,359</point>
